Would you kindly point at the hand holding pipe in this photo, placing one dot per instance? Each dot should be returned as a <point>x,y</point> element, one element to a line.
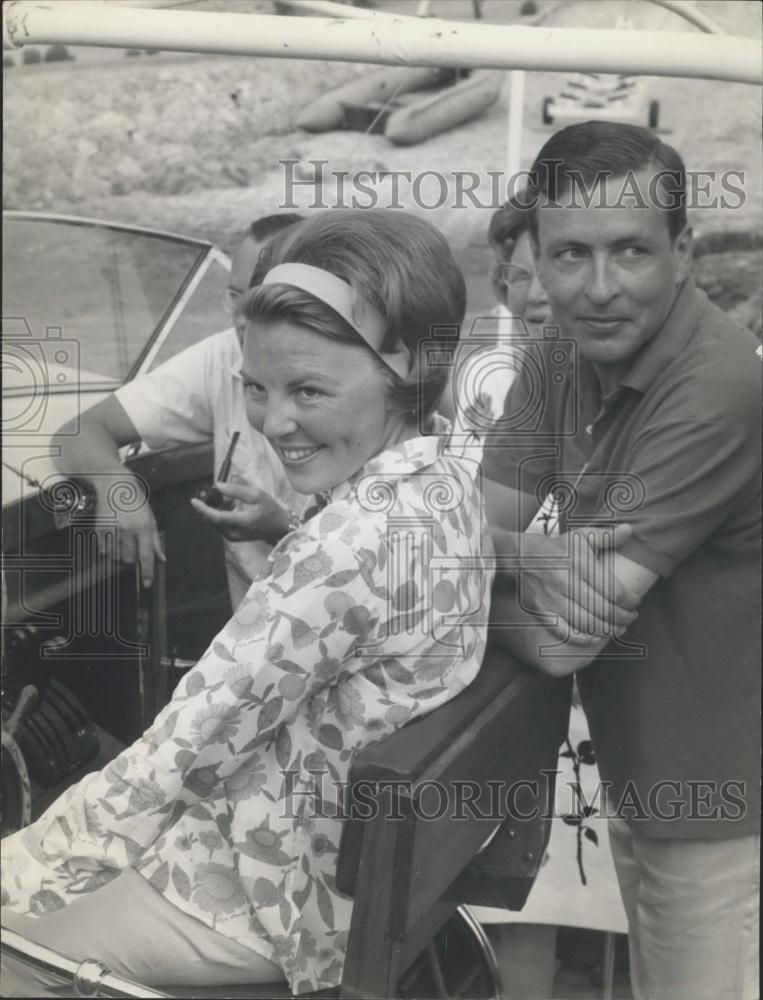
<point>210,495</point>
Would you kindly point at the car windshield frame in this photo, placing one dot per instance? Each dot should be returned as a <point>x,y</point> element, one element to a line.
<point>205,252</point>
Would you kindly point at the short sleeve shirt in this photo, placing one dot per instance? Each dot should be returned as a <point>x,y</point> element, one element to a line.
<point>198,396</point>
<point>675,452</point>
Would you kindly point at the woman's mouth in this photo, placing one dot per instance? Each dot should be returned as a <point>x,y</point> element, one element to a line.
<point>295,456</point>
<point>537,319</point>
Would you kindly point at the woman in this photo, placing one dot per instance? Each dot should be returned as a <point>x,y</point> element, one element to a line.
<point>206,852</point>
<point>496,345</point>
<point>515,280</point>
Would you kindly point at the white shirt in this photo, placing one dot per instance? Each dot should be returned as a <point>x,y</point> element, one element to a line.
<point>198,396</point>
<point>487,360</point>
<point>491,353</point>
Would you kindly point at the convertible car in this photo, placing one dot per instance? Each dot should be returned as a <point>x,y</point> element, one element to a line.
<point>88,306</point>
<point>89,656</point>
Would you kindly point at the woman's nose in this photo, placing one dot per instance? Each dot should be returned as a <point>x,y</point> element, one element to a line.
<point>536,293</point>
<point>278,419</point>
<point>272,417</point>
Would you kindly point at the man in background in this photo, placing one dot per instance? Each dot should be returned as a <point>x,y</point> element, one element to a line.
<point>195,397</point>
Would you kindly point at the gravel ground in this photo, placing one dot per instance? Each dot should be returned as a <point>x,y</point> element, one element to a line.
<point>193,143</point>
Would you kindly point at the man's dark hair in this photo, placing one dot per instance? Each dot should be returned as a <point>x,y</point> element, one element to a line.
<point>268,225</point>
<point>579,157</point>
<point>268,230</point>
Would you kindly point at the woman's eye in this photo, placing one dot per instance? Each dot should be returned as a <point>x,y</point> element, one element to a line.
<point>306,392</point>
<point>253,389</point>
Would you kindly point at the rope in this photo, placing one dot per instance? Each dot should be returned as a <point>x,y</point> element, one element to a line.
<point>375,119</point>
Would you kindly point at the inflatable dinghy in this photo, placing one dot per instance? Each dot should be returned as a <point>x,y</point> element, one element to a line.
<point>386,102</point>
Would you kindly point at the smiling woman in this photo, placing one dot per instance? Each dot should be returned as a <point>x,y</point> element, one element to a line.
<point>340,355</point>
<point>206,852</point>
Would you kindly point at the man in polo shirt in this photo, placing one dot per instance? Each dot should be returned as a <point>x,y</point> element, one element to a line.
<point>641,414</point>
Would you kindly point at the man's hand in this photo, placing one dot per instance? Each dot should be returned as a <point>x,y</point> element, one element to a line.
<point>256,514</point>
<point>572,577</point>
<point>137,538</point>
<point>91,451</point>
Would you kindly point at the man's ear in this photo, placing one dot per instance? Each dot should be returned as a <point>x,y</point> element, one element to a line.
<point>683,248</point>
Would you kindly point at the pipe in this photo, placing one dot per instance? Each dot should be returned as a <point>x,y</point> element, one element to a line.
<point>691,14</point>
<point>90,977</point>
<point>516,115</point>
<point>388,40</point>
<point>328,8</point>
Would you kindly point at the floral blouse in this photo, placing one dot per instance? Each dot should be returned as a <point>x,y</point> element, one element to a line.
<point>374,612</point>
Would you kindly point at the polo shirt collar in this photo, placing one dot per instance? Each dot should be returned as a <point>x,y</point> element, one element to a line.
<point>669,341</point>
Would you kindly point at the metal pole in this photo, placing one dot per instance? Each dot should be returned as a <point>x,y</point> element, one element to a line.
<point>89,977</point>
<point>608,966</point>
<point>516,116</point>
<point>328,8</point>
<point>388,40</point>
<point>691,14</point>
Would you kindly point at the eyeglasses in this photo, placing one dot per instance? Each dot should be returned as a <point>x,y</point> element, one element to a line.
<point>516,276</point>
<point>230,298</point>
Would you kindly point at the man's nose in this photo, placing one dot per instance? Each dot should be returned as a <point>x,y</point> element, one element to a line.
<point>601,285</point>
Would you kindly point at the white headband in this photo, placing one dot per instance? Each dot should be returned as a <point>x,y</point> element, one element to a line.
<point>339,295</point>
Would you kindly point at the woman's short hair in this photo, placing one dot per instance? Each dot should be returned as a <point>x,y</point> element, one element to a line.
<point>397,262</point>
<point>506,226</point>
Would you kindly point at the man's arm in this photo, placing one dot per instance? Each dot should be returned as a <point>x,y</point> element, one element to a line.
<point>557,576</point>
<point>519,631</point>
<point>93,454</point>
<point>509,511</point>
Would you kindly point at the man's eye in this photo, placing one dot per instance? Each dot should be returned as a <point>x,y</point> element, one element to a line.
<point>570,254</point>
<point>633,252</point>
<point>307,392</point>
